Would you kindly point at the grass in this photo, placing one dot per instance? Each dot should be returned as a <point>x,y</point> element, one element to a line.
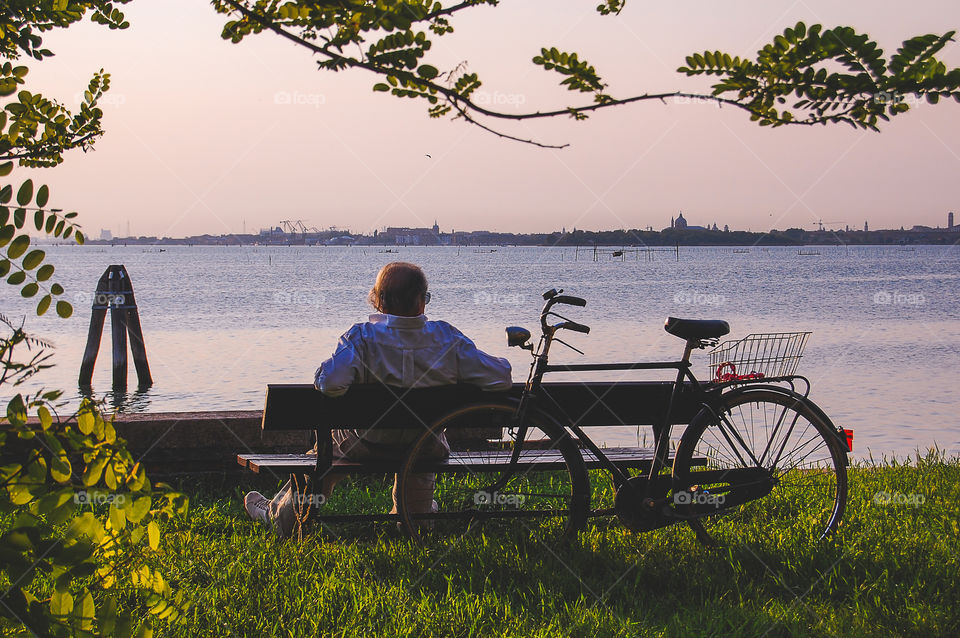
<point>893,569</point>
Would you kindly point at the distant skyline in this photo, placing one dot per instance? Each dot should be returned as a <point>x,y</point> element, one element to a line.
<point>205,137</point>
<point>120,232</point>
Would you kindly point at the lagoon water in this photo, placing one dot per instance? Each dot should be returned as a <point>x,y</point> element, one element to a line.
<point>221,322</point>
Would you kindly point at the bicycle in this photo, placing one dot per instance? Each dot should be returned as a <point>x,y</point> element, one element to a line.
<point>755,440</point>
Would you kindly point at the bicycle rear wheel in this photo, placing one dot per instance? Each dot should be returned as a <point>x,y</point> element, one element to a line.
<point>766,442</point>
<point>545,495</point>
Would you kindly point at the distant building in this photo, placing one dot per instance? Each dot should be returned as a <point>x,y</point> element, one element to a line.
<point>106,235</point>
<point>726,228</point>
<point>949,221</point>
<point>865,227</point>
<point>681,223</point>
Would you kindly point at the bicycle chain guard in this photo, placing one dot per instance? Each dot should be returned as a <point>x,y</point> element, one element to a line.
<point>635,503</point>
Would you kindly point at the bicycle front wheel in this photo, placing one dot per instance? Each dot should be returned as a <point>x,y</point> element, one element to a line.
<point>544,495</point>
<point>763,457</point>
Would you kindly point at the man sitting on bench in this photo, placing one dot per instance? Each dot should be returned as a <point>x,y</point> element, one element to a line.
<point>399,347</point>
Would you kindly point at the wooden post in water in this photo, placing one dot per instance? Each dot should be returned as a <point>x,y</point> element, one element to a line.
<point>115,292</point>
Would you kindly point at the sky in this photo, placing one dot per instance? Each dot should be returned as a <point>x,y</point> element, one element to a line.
<point>205,136</point>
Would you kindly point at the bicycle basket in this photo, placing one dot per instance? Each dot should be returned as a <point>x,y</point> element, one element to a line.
<point>775,354</point>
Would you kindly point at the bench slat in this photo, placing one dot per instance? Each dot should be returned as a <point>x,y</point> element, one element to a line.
<point>487,461</point>
<point>299,406</point>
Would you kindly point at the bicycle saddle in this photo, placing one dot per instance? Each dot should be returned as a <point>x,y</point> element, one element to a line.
<point>696,328</point>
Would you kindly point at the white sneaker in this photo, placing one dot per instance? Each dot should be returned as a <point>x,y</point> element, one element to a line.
<point>257,506</point>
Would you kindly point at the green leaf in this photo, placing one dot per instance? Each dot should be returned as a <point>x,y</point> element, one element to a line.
<point>38,219</point>
<point>56,289</point>
<point>30,289</point>
<point>153,535</point>
<point>43,305</point>
<point>79,237</point>
<point>64,309</point>
<point>43,196</point>
<point>85,420</point>
<point>139,509</point>
<point>428,72</point>
<point>17,278</point>
<point>60,468</point>
<point>117,519</point>
<point>84,613</point>
<point>18,246</point>
<point>33,259</point>
<point>61,604</point>
<point>45,272</point>
<point>5,167</point>
<point>25,194</point>
<point>380,86</point>
<point>46,420</point>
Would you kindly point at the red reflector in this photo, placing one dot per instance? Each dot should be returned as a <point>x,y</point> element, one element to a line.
<point>849,434</point>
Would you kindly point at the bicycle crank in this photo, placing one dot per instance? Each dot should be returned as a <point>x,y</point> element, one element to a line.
<point>642,506</point>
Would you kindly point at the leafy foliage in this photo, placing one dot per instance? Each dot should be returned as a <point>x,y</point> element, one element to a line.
<point>69,571</point>
<point>20,265</point>
<point>393,39</point>
<point>866,90</point>
<point>33,129</point>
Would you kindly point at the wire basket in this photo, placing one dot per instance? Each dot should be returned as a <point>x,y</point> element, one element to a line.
<point>756,356</point>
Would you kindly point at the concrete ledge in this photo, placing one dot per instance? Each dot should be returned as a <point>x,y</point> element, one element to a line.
<point>203,441</point>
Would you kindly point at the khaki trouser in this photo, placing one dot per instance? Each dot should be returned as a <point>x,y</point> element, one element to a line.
<point>291,502</point>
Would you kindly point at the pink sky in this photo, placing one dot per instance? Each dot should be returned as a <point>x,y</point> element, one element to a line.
<point>205,137</point>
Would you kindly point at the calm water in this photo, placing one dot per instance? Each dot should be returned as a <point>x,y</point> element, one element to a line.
<point>221,322</point>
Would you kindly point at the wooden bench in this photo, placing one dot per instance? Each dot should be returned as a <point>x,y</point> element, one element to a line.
<point>603,403</point>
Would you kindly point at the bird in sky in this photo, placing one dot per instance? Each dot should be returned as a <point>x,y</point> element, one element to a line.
<point>428,155</point>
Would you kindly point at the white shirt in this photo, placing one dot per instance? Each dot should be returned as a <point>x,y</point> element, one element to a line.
<point>409,352</point>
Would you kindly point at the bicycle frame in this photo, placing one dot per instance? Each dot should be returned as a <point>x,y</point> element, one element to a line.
<point>707,394</point>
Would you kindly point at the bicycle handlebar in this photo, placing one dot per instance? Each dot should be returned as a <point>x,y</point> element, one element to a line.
<point>573,301</point>
<point>553,298</point>
<point>576,327</point>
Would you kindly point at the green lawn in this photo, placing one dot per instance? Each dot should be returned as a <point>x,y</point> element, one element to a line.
<point>892,570</point>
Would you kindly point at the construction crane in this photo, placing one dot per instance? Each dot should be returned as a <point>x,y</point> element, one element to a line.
<point>295,227</point>
<point>821,223</point>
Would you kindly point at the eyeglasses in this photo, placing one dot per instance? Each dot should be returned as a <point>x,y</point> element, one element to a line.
<point>426,297</point>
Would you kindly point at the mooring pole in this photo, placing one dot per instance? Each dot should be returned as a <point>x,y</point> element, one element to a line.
<point>137,347</point>
<point>97,317</point>
<point>118,328</point>
<point>115,292</point>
